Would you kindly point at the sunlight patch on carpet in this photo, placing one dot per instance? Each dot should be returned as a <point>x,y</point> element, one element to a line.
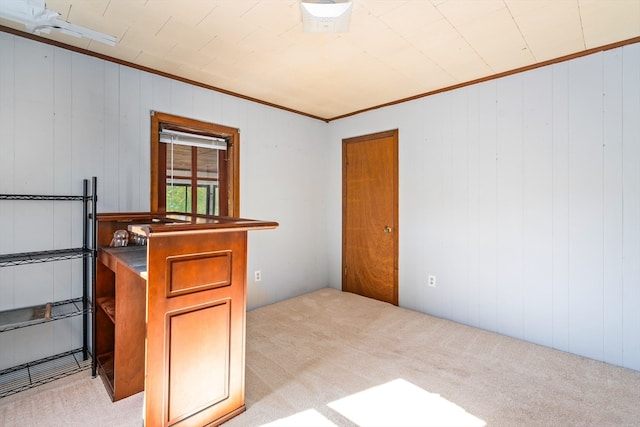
<point>400,402</point>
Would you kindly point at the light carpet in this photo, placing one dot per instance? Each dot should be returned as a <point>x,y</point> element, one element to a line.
<point>330,358</point>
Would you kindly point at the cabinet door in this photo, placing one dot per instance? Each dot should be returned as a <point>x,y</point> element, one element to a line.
<point>195,328</point>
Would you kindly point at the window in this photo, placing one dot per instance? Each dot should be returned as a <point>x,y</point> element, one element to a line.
<point>194,166</point>
<point>179,198</point>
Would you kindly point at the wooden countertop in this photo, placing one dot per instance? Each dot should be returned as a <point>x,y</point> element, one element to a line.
<point>134,257</point>
<point>147,223</point>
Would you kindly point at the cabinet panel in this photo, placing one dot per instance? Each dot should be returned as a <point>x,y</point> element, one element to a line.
<point>120,322</point>
<point>198,272</point>
<point>129,332</point>
<point>196,336</point>
<point>198,375</point>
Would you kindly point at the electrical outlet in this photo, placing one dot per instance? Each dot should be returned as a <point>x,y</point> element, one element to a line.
<point>432,281</point>
<point>257,275</point>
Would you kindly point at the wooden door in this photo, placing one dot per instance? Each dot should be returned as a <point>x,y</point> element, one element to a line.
<point>370,216</point>
<point>195,328</point>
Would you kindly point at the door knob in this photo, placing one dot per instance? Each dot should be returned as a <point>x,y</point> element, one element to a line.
<point>387,229</point>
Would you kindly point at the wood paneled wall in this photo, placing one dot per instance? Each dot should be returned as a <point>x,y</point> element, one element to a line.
<point>65,116</point>
<point>522,196</point>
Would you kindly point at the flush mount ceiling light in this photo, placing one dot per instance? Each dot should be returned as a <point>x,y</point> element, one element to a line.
<point>326,16</point>
<point>38,19</point>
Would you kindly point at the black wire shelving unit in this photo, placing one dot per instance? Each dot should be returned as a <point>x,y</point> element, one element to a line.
<point>34,373</point>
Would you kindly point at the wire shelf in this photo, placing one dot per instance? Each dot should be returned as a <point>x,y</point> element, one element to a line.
<point>39,372</point>
<point>40,197</point>
<point>29,316</point>
<point>42,256</point>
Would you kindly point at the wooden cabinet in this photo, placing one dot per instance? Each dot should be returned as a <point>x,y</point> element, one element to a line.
<point>120,320</point>
<point>171,315</point>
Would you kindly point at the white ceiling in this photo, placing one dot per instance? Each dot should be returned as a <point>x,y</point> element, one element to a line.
<point>395,49</point>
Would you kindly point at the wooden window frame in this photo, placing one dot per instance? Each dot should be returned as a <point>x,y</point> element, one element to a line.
<point>232,179</point>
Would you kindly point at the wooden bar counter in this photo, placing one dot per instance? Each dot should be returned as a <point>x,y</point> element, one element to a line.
<point>170,314</point>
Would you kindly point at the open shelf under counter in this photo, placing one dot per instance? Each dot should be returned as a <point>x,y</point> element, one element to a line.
<point>108,305</point>
<point>105,370</point>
